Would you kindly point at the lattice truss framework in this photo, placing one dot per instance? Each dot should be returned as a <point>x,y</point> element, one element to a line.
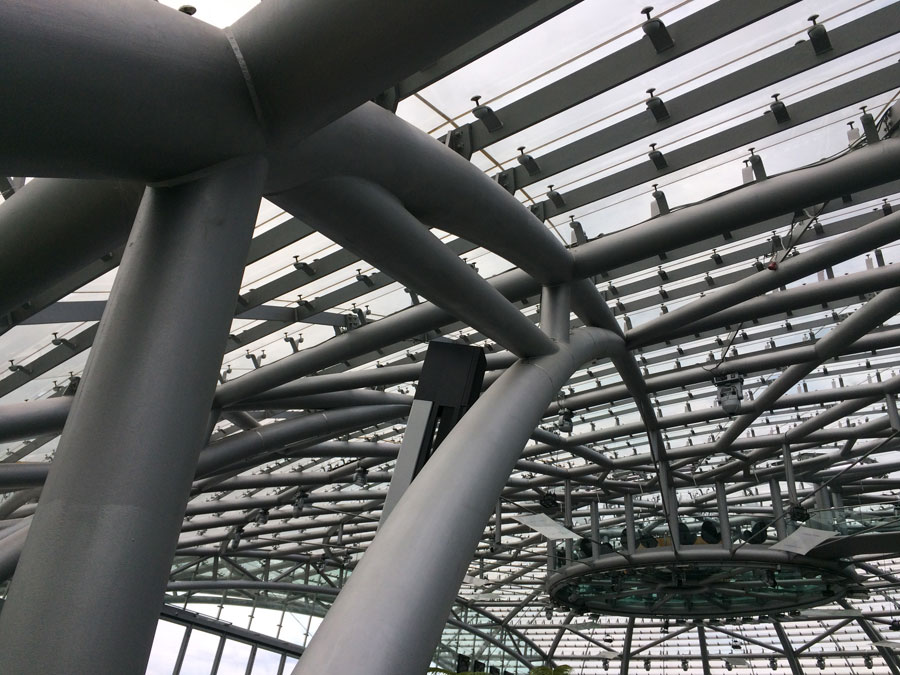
<point>777,264</point>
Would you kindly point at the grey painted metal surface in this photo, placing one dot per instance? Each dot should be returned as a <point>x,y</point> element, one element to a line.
<point>447,509</point>
<point>238,78</point>
<point>867,238</point>
<point>54,228</point>
<point>363,217</point>
<point>752,203</point>
<point>121,479</point>
<point>437,187</point>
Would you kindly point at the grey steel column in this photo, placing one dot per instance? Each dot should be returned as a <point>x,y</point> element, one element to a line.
<point>890,658</point>
<point>498,523</point>
<point>789,473</point>
<point>789,652</point>
<point>556,303</point>
<point>626,647</point>
<point>11,544</point>
<point>777,509</point>
<point>704,652</point>
<point>567,507</point>
<point>90,582</point>
<point>724,520</point>
<point>389,616</point>
<point>595,531</point>
<point>631,542</point>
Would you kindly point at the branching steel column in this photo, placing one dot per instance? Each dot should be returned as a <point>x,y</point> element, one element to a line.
<point>394,606</point>
<point>394,241</point>
<point>555,307</point>
<point>113,505</point>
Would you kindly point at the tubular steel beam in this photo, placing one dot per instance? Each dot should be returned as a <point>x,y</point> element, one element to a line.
<point>789,653</point>
<point>759,362</point>
<point>410,322</point>
<point>867,238</point>
<point>232,85</point>
<point>435,184</point>
<point>752,203</point>
<point>447,507</point>
<point>268,43</point>
<point>239,448</point>
<point>890,658</point>
<point>113,505</point>
<point>396,243</point>
<point>840,290</point>
<point>33,418</point>
<point>54,228</point>
<point>872,314</point>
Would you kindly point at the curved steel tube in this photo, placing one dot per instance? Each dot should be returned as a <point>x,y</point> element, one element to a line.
<point>365,218</point>
<point>392,637</point>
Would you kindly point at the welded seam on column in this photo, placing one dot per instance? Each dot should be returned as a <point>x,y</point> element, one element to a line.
<point>248,79</point>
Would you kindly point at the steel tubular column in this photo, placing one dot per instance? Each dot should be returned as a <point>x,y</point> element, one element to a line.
<point>555,307</point>
<point>788,649</point>
<point>437,524</point>
<point>113,505</point>
<point>626,646</point>
<point>704,651</point>
<point>724,520</point>
<point>777,508</point>
<point>890,658</point>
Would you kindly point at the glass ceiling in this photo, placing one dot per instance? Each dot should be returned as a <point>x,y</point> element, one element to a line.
<point>329,533</point>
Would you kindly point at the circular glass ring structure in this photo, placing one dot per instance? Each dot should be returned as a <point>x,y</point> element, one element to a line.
<point>701,582</point>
